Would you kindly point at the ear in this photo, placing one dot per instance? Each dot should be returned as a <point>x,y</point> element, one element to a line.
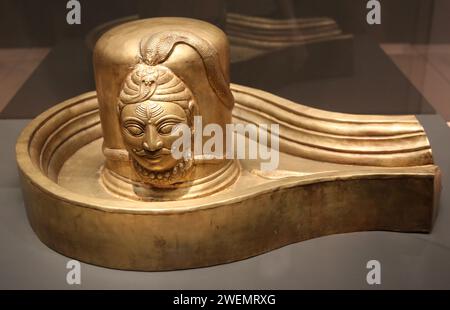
<point>192,106</point>
<point>193,111</point>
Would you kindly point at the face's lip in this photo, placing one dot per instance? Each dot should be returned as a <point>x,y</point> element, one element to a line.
<point>153,155</point>
<point>159,163</point>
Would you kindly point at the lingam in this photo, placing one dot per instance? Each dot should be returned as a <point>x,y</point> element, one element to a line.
<point>167,77</point>
<point>127,176</point>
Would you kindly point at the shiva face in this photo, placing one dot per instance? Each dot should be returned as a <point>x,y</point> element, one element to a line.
<point>147,131</point>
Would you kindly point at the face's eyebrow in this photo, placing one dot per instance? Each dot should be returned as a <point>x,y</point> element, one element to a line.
<point>169,117</point>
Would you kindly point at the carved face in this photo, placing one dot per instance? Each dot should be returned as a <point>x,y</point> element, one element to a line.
<point>147,128</point>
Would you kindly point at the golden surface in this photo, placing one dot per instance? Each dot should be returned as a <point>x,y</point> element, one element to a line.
<point>161,67</point>
<point>338,172</point>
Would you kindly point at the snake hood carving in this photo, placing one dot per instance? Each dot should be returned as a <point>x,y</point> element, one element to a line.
<point>156,48</point>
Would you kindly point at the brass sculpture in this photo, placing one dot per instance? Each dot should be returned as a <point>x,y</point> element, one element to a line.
<point>153,100</point>
<point>100,185</point>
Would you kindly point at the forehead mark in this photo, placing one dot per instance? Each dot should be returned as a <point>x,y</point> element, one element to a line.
<point>149,111</point>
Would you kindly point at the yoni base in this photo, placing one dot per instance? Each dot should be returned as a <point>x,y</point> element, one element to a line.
<point>60,160</point>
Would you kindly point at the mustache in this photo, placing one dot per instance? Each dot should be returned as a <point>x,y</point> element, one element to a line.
<point>145,153</point>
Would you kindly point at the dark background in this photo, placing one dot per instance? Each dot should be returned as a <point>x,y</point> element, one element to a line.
<point>26,23</point>
<point>350,76</point>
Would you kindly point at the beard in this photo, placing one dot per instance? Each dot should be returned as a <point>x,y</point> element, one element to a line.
<point>165,178</point>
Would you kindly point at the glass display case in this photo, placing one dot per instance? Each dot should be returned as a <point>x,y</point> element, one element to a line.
<point>356,57</point>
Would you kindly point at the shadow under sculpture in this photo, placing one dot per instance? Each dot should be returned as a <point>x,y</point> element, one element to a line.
<point>101,185</point>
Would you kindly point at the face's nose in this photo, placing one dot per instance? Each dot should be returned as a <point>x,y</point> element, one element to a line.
<point>152,141</point>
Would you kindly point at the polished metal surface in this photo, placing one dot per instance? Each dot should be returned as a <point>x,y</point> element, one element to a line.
<point>91,195</point>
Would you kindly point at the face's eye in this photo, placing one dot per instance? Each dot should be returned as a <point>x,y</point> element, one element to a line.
<point>134,130</point>
<point>166,128</point>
